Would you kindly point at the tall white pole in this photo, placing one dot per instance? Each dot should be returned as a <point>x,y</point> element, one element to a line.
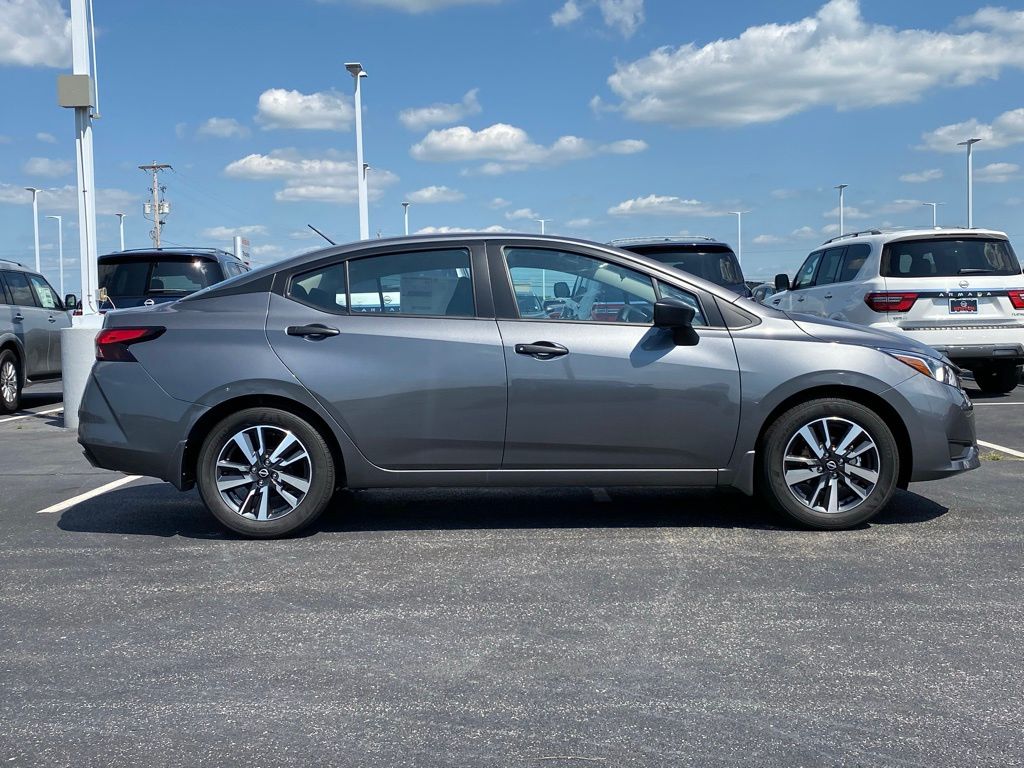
<point>739,234</point>
<point>85,162</point>
<point>60,251</point>
<point>842,209</point>
<point>358,73</point>
<point>542,223</point>
<point>935,214</point>
<point>120,226</point>
<point>970,179</point>
<point>35,221</point>
<point>405,212</point>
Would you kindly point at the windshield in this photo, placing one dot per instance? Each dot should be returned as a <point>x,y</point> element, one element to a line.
<point>949,257</point>
<point>715,263</point>
<point>168,276</point>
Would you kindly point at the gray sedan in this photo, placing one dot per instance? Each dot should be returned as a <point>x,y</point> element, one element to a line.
<point>409,362</point>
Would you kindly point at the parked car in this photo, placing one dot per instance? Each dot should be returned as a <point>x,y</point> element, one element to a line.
<point>701,256</point>
<point>156,275</point>
<point>959,291</point>
<point>31,317</point>
<point>269,394</point>
<point>761,293</point>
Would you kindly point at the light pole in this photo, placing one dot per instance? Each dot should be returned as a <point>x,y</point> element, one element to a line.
<point>739,234</point>
<point>35,219</point>
<point>60,250</point>
<point>405,213</point>
<point>970,179</point>
<point>935,215</point>
<point>542,223</point>
<point>120,226</point>
<point>842,211</point>
<point>358,73</point>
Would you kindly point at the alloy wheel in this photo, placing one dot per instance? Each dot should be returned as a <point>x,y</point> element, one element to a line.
<point>831,465</point>
<point>8,382</point>
<point>263,472</point>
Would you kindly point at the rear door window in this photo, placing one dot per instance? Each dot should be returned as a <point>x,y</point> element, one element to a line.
<point>21,292</point>
<point>427,283</point>
<point>854,259</point>
<point>949,257</point>
<point>324,288</point>
<point>831,262</point>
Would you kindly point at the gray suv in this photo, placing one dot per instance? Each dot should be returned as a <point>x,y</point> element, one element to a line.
<point>411,362</point>
<point>31,317</point>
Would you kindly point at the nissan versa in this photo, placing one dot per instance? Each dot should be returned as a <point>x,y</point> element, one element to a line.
<point>409,362</point>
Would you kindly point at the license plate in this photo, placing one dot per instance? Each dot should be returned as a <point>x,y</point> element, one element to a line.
<point>963,306</point>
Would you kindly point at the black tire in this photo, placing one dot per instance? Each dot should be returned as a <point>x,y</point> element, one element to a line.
<point>997,378</point>
<point>316,470</point>
<point>848,468</point>
<point>10,401</point>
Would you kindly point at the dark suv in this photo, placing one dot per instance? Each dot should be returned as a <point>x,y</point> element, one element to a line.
<point>709,259</point>
<point>156,275</point>
<point>31,316</point>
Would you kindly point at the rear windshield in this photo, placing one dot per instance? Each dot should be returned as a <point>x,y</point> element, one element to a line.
<point>715,263</point>
<point>949,257</point>
<point>168,276</point>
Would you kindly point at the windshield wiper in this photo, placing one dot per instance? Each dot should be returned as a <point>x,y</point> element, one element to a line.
<point>976,271</point>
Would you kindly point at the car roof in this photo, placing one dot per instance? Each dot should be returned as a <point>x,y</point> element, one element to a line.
<point>893,234</point>
<point>666,240</point>
<point>147,253</point>
<point>14,266</point>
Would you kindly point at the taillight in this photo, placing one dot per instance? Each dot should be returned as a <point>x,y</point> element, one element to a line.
<point>890,301</point>
<point>112,343</point>
<point>1017,299</point>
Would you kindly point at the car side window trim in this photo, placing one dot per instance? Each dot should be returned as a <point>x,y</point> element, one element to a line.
<point>5,297</point>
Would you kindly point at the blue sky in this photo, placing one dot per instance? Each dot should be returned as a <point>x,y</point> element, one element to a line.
<point>610,117</point>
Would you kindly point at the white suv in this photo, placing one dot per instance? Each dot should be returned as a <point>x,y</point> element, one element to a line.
<point>960,291</point>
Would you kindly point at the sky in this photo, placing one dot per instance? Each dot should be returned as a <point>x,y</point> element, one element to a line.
<point>609,118</point>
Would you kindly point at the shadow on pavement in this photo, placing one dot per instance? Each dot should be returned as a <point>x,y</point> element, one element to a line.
<point>159,510</point>
<point>32,399</point>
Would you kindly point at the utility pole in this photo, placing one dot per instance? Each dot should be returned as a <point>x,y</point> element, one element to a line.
<point>35,220</point>
<point>157,206</point>
<point>358,73</point>
<point>60,250</point>
<point>542,222</point>
<point>970,179</point>
<point>842,208</point>
<point>120,226</point>
<point>739,234</point>
<point>405,211</point>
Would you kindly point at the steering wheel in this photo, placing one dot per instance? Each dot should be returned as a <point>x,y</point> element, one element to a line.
<point>633,314</point>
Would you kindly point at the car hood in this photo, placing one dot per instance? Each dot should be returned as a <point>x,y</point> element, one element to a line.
<point>847,333</point>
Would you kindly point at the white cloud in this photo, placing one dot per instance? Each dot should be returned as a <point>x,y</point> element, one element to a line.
<point>579,223</point>
<point>324,111</point>
<point>440,113</point>
<point>664,205</point>
<point>850,213</point>
<point>422,6</point>
<point>623,15</point>
<point>567,14</point>
<point>34,33</point>
<point>47,167</point>
<point>436,194</point>
<point>830,230</point>
<point>498,202</point>
<point>223,128</point>
<point>323,179</point>
<point>834,58</point>
<point>227,233</point>
<point>784,194</point>
<point>180,129</point>
<point>46,138</point>
<point>458,230</point>
<point>804,233</point>
<point>508,148</point>
<point>997,173</point>
<point>521,213</point>
<point>932,174</point>
<point>66,198</point>
<point>267,250</point>
<point>1005,131</point>
<point>768,240</point>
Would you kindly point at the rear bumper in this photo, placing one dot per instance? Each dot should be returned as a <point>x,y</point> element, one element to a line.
<point>965,352</point>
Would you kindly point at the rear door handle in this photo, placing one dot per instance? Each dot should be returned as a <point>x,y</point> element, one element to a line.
<point>312,331</point>
<point>801,298</point>
<point>52,319</point>
<point>828,296</point>
<point>18,318</point>
<point>542,350</point>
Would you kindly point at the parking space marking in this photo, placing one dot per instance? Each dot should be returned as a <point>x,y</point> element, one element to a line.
<point>30,415</point>
<point>985,405</point>
<point>994,447</point>
<point>61,506</point>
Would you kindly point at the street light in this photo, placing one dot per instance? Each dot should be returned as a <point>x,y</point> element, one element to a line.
<point>60,250</point>
<point>120,225</point>
<point>35,219</point>
<point>542,223</point>
<point>842,211</point>
<point>935,216</point>
<point>970,179</point>
<point>739,234</point>
<point>358,73</point>
<point>405,212</point>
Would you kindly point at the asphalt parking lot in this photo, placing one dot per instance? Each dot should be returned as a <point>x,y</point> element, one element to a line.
<point>494,628</point>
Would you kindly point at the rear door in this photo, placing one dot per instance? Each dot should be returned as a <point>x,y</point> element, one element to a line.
<point>56,319</point>
<point>613,392</point>
<point>29,323</point>
<point>414,371</point>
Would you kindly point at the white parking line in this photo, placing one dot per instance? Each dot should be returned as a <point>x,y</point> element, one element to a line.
<point>980,405</point>
<point>60,507</point>
<point>994,447</point>
<point>30,415</point>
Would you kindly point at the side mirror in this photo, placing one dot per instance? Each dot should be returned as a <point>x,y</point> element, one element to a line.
<point>70,301</point>
<point>676,316</point>
<point>782,282</point>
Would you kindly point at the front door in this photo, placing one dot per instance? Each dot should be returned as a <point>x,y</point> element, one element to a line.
<point>30,324</point>
<point>595,386</point>
<point>392,347</point>
<point>56,318</point>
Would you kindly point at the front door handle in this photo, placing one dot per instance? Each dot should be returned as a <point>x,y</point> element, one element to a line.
<point>18,318</point>
<point>52,319</point>
<point>542,350</point>
<point>315,331</point>
<point>828,296</point>
<point>801,298</point>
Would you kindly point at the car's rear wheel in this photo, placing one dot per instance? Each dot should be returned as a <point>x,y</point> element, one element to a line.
<point>830,463</point>
<point>997,378</point>
<point>10,382</point>
<point>265,472</point>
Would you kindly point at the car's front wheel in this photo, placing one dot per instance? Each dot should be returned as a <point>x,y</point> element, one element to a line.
<point>997,378</point>
<point>830,463</point>
<point>265,472</point>
<point>10,382</point>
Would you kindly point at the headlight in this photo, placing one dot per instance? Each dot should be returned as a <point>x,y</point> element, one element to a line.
<point>943,372</point>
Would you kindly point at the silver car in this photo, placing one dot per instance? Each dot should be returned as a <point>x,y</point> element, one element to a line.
<point>407,362</point>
